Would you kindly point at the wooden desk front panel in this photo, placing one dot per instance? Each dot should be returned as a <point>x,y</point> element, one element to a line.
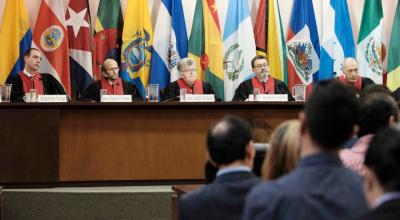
<point>144,144</point>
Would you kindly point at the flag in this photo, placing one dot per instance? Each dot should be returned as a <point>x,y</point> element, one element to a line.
<point>213,48</point>
<point>337,38</point>
<point>303,45</point>
<point>170,43</point>
<point>261,28</point>
<point>50,37</point>
<point>16,38</point>
<point>197,41</point>
<point>371,50</point>
<point>276,48</point>
<point>80,52</point>
<point>137,39</point>
<point>107,34</point>
<point>239,46</point>
<point>393,76</point>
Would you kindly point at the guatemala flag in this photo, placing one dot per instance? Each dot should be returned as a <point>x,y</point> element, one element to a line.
<point>170,43</point>
<point>303,46</point>
<point>337,38</point>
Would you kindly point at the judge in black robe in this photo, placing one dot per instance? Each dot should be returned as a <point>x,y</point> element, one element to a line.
<point>92,93</point>
<point>351,76</point>
<point>51,86</point>
<point>261,68</point>
<point>188,80</point>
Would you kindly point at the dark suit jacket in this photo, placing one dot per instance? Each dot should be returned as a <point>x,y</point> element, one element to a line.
<point>222,199</point>
<point>389,210</point>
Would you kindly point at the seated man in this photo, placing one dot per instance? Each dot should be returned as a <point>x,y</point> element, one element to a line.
<point>230,148</point>
<point>382,177</point>
<point>266,83</point>
<point>351,76</point>
<point>111,81</point>
<point>188,81</point>
<point>30,78</point>
<point>320,187</point>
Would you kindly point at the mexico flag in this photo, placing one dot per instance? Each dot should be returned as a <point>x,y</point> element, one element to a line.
<point>371,50</point>
<point>50,37</point>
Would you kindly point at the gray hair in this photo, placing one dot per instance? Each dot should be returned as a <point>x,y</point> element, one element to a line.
<point>186,62</point>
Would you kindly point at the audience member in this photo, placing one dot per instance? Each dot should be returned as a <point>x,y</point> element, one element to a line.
<point>262,80</point>
<point>378,110</point>
<point>284,151</point>
<point>320,188</point>
<point>188,80</point>
<point>382,176</point>
<point>230,148</point>
<point>30,78</point>
<point>110,81</point>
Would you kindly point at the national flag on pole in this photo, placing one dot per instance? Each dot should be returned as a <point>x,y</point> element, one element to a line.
<point>261,28</point>
<point>137,39</point>
<point>107,34</point>
<point>15,37</point>
<point>303,45</point>
<point>197,41</point>
<point>80,50</point>
<point>50,37</point>
<point>371,50</point>
<point>239,46</point>
<point>170,43</point>
<point>337,38</point>
<point>276,47</point>
<point>213,48</point>
<point>393,76</point>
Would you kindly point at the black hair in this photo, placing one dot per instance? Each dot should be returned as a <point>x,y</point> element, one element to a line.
<point>331,113</point>
<point>383,157</point>
<point>257,57</point>
<point>376,110</point>
<point>227,140</point>
<point>28,52</point>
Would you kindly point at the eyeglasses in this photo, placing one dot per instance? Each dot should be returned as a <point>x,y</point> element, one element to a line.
<point>261,65</point>
<point>189,71</point>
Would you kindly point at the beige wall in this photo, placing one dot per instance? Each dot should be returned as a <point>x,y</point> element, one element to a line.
<point>355,8</point>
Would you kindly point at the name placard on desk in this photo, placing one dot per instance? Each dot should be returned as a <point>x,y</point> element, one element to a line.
<point>52,98</point>
<point>116,98</point>
<point>198,98</point>
<point>269,98</point>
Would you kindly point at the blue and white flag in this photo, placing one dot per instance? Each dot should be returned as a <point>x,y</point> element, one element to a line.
<point>239,46</point>
<point>337,38</point>
<point>170,43</point>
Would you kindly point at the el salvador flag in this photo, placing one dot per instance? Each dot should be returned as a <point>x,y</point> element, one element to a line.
<point>337,38</point>
<point>170,43</point>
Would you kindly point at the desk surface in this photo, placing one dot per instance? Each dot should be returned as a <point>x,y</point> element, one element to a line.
<point>61,142</point>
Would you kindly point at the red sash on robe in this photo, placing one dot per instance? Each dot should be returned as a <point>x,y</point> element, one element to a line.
<point>356,85</point>
<point>34,82</point>
<point>269,87</point>
<point>197,87</point>
<point>115,89</point>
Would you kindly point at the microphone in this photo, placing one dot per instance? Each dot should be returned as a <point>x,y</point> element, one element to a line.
<point>176,98</point>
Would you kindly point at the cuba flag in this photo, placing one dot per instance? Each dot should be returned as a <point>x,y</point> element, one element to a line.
<point>170,43</point>
<point>303,47</point>
<point>337,38</point>
<point>15,38</point>
<point>137,39</point>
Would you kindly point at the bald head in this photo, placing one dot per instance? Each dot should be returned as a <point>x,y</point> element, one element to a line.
<point>350,69</point>
<point>110,69</point>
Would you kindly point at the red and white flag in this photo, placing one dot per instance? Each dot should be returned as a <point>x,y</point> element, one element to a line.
<point>80,50</point>
<point>50,37</point>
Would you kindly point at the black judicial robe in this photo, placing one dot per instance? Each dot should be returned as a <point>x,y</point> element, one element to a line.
<point>172,91</point>
<point>92,93</point>
<point>51,86</point>
<point>245,88</point>
<point>365,81</point>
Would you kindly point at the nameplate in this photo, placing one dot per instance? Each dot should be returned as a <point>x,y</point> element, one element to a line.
<point>116,98</point>
<point>199,98</point>
<point>52,98</point>
<point>271,98</point>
